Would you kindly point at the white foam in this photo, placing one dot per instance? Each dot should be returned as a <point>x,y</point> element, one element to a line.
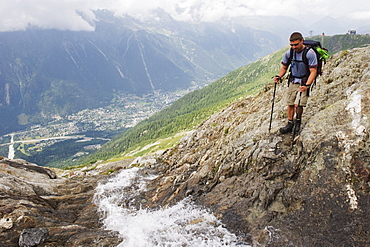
<point>184,224</point>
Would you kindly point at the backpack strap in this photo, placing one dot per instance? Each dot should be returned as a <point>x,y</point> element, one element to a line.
<point>290,56</point>
<point>288,64</point>
<point>304,58</point>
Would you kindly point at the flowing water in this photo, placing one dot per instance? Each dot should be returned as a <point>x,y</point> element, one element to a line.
<point>11,147</point>
<point>184,224</point>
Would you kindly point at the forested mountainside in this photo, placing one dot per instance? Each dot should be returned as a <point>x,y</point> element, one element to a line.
<point>193,108</point>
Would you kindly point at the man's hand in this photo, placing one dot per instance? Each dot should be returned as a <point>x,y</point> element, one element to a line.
<point>303,88</point>
<point>277,79</point>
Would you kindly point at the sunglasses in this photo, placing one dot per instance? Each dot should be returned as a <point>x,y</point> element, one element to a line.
<point>295,44</point>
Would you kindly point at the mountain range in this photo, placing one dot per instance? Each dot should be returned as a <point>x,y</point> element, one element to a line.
<point>50,74</point>
<point>46,74</point>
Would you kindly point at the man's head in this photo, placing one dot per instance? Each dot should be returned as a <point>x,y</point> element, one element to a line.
<point>296,36</point>
<point>296,41</point>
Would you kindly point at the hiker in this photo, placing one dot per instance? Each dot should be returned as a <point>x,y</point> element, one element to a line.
<point>300,79</point>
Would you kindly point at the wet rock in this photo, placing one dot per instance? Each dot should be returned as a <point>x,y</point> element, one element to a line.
<point>24,165</point>
<point>38,208</point>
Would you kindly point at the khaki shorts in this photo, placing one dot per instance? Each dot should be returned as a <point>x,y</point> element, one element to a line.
<point>294,97</point>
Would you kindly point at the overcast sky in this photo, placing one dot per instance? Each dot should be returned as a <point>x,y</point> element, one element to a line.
<point>63,14</point>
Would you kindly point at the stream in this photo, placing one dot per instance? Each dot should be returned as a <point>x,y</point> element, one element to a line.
<point>184,224</point>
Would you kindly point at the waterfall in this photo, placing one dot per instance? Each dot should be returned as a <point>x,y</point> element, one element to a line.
<point>11,147</point>
<point>184,224</point>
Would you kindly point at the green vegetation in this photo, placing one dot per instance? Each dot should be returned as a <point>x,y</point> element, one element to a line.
<point>344,42</point>
<point>195,107</point>
<point>54,153</point>
<point>190,110</point>
<point>4,150</point>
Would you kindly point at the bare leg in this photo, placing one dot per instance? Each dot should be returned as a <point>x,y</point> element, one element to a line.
<point>291,110</point>
<point>299,112</point>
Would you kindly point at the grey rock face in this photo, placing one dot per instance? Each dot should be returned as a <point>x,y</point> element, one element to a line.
<point>38,208</point>
<point>33,237</point>
<point>314,193</point>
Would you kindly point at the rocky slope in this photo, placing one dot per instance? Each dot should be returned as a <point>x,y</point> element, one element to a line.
<point>314,193</point>
<point>39,208</point>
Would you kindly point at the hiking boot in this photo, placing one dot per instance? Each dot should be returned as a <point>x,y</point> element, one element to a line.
<point>297,126</point>
<point>288,128</point>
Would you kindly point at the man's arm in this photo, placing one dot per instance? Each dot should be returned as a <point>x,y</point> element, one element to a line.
<point>282,72</point>
<point>310,79</point>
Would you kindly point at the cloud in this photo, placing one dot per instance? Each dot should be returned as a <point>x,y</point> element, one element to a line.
<point>360,15</point>
<point>78,14</point>
<point>21,14</point>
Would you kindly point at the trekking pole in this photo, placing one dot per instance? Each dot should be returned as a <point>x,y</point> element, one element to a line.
<point>272,108</point>
<point>293,134</point>
<point>273,103</point>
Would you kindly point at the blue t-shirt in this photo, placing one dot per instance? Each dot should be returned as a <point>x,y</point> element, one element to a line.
<point>298,67</point>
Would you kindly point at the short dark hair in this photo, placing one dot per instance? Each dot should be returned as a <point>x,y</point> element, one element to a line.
<point>296,36</point>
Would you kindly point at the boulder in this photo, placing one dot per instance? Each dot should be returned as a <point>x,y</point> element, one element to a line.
<point>38,208</point>
<point>33,237</point>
